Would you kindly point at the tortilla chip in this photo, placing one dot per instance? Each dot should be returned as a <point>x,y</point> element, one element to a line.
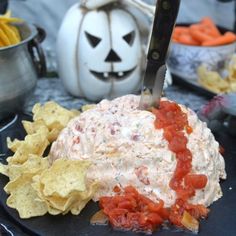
<point>52,114</point>
<point>22,197</point>
<point>33,144</point>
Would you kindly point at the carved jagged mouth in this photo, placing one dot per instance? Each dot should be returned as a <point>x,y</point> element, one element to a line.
<point>105,76</point>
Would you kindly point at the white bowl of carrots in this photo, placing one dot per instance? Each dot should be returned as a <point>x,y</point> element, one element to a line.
<point>199,43</point>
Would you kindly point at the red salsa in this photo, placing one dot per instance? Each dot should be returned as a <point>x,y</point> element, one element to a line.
<point>175,124</point>
<point>130,210</point>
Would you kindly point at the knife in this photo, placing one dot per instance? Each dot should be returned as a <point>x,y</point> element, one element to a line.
<point>153,81</point>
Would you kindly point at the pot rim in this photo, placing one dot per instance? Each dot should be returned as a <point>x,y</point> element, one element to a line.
<point>33,34</point>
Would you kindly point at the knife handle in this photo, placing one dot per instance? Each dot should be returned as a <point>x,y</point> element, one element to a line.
<point>164,21</point>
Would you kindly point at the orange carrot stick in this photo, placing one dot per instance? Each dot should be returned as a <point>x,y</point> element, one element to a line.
<point>181,29</point>
<point>187,39</point>
<point>199,35</point>
<point>175,36</point>
<point>197,27</point>
<point>207,21</point>
<point>210,27</point>
<point>227,38</point>
<point>214,32</point>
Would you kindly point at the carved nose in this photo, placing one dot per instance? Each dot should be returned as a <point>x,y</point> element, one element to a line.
<point>112,57</point>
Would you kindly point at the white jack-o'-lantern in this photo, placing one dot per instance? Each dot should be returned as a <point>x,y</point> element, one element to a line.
<point>99,52</point>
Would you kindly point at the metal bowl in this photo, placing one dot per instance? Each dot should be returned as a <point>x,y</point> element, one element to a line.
<point>20,66</point>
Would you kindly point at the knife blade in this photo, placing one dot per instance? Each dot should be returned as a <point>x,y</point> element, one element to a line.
<point>163,24</point>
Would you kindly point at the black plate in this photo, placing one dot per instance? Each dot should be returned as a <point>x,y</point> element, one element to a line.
<point>221,221</point>
<point>194,85</point>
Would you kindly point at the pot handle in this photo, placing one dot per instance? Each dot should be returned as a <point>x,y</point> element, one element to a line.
<point>37,53</point>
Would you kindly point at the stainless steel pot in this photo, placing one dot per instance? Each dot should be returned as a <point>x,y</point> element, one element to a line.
<point>20,66</point>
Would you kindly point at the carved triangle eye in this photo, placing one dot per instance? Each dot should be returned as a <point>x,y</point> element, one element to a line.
<point>93,40</point>
<point>129,38</point>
